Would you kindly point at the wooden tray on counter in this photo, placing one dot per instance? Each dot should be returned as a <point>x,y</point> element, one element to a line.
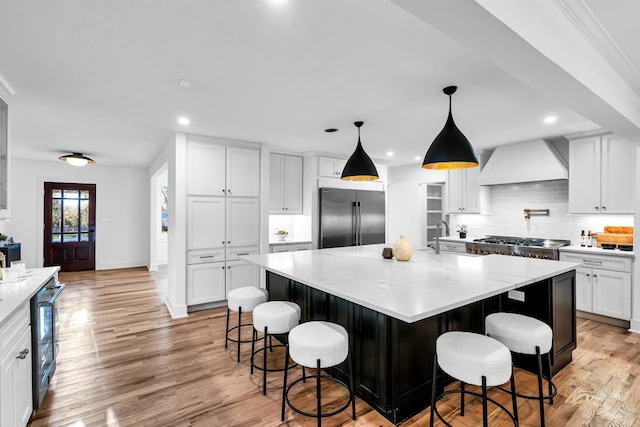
<point>616,234</point>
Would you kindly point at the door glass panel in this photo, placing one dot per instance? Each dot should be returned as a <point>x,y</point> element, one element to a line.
<point>70,237</point>
<point>84,194</point>
<point>84,215</point>
<point>56,238</point>
<point>70,215</point>
<point>56,194</point>
<point>84,237</point>
<point>56,215</point>
<point>71,194</point>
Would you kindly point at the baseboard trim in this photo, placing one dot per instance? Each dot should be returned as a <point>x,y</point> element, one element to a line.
<point>603,319</point>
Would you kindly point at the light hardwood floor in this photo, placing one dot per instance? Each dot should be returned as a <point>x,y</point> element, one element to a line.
<point>125,362</point>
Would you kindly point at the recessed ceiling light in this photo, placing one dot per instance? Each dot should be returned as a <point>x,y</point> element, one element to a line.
<point>389,153</point>
<point>331,130</point>
<point>184,83</point>
<point>417,158</point>
<point>550,119</point>
<point>184,121</point>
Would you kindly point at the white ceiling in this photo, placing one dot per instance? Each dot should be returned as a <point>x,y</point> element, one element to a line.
<point>102,77</point>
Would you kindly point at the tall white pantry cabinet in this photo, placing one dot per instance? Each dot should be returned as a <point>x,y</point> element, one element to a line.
<point>223,218</point>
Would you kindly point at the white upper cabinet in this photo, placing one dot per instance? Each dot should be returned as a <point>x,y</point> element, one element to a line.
<point>243,172</point>
<point>285,184</point>
<point>217,170</point>
<point>330,167</point>
<point>601,175</point>
<point>463,194</point>
<point>205,222</point>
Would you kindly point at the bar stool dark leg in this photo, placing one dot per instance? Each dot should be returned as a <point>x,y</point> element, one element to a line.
<point>264,364</point>
<point>226,334</point>
<point>433,388</point>
<point>239,329</point>
<point>284,385</point>
<point>353,388</point>
<point>540,394</point>
<point>254,337</point>
<point>462,398</point>
<point>549,381</point>
<point>514,402</point>
<point>485,418</point>
<point>318,393</point>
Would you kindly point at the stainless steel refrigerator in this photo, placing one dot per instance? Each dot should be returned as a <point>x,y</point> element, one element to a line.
<point>351,217</point>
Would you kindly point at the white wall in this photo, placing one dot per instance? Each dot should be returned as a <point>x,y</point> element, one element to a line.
<point>403,214</point>
<point>122,210</point>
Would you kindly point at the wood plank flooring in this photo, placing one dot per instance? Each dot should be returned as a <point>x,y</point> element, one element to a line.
<point>125,362</point>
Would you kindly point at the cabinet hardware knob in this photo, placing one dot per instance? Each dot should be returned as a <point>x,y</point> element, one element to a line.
<point>229,242</point>
<point>222,242</point>
<point>588,275</point>
<point>595,275</point>
<point>597,208</point>
<point>224,191</point>
<point>604,208</point>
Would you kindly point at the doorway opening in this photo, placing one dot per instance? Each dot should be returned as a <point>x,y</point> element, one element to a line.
<point>69,226</point>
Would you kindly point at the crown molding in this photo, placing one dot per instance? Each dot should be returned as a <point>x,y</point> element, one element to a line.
<point>5,87</point>
<point>592,29</point>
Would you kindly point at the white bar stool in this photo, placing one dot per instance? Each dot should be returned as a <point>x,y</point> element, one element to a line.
<point>472,359</point>
<point>525,335</point>
<point>319,345</point>
<point>243,299</point>
<point>273,317</point>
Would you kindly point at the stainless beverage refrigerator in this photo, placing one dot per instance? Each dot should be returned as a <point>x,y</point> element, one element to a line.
<point>351,217</point>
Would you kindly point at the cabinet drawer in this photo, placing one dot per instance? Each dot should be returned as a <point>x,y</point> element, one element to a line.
<point>205,256</point>
<point>13,327</point>
<point>235,253</point>
<point>280,248</point>
<point>302,246</point>
<point>616,263</point>
<point>453,247</point>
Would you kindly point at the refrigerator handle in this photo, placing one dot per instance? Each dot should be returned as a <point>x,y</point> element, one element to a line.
<point>354,223</point>
<point>359,229</point>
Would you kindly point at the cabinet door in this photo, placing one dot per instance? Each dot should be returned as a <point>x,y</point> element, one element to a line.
<point>584,175</point>
<point>15,383</point>
<point>471,190</point>
<point>243,172</point>
<point>205,169</point>
<point>293,184</point>
<point>612,294</point>
<point>206,283</point>
<point>454,187</point>
<point>584,289</point>
<point>618,185</point>
<point>243,222</point>
<point>276,183</point>
<point>205,222</point>
<point>241,273</point>
<point>330,167</point>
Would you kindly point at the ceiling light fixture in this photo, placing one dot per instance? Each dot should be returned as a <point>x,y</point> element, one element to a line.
<point>359,167</point>
<point>184,121</point>
<point>451,149</point>
<point>76,159</point>
<point>550,119</point>
<point>390,153</point>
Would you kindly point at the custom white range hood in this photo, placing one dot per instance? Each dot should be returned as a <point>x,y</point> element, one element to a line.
<point>526,161</point>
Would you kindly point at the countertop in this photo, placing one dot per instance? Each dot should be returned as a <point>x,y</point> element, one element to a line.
<point>288,241</point>
<point>596,251</point>
<point>413,290</point>
<point>14,294</point>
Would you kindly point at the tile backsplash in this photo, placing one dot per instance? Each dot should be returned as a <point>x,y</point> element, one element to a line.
<point>507,218</point>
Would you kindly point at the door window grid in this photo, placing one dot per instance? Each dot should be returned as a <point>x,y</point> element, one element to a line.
<point>69,216</point>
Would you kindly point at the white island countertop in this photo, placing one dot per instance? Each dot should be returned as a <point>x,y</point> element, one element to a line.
<point>14,295</point>
<point>413,290</point>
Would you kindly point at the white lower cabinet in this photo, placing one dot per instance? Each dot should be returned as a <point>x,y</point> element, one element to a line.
<point>15,371</point>
<point>289,247</point>
<point>603,284</point>
<point>459,247</point>
<point>206,283</point>
<point>211,274</point>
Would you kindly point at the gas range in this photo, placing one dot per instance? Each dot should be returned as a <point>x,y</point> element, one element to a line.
<point>517,246</point>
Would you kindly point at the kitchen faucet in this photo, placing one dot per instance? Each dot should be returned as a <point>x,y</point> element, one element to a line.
<point>446,228</point>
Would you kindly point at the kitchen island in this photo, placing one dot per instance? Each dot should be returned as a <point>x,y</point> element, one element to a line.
<point>395,310</point>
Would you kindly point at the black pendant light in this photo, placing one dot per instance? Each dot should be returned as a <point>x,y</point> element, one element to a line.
<point>451,149</point>
<point>359,167</point>
<point>76,159</point>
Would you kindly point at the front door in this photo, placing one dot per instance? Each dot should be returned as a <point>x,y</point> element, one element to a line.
<point>69,226</point>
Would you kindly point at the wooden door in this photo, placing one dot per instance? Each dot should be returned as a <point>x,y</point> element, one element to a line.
<point>69,226</point>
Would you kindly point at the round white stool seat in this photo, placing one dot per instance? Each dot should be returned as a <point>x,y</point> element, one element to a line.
<point>315,340</point>
<point>279,317</point>
<point>247,298</point>
<point>467,357</point>
<point>521,334</point>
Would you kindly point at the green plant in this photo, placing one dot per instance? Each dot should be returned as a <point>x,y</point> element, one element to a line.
<point>3,237</point>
